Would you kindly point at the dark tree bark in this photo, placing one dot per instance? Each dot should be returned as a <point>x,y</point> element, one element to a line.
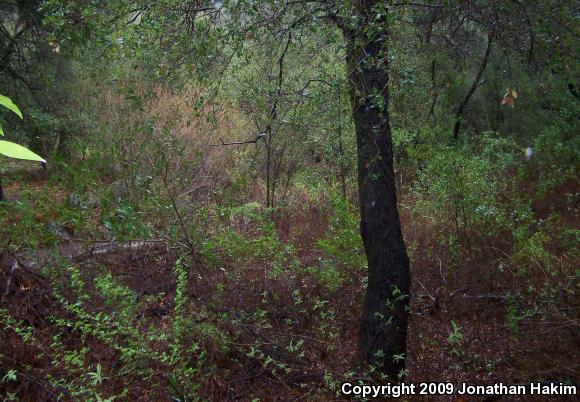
<point>474,86</point>
<point>63,76</point>
<point>385,310</point>
<point>434,92</point>
<point>341,167</point>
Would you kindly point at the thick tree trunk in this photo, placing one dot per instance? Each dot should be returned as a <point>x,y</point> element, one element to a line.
<point>385,310</point>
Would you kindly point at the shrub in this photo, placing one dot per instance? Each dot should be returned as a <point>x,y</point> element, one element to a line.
<point>474,187</point>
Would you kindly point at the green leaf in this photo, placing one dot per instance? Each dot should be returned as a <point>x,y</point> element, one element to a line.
<point>7,102</point>
<point>16,151</point>
<point>1,130</point>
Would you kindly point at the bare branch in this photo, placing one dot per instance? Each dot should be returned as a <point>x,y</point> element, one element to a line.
<point>474,85</point>
<point>254,141</point>
<point>419,5</point>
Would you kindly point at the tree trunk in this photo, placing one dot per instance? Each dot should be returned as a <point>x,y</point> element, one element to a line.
<point>385,311</point>
<point>268,168</point>
<point>63,76</point>
<point>64,148</point>
<point>341,167</point>
<point>474,86</point>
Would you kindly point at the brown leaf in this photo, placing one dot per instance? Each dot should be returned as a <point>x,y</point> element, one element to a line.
<point>509,97</point>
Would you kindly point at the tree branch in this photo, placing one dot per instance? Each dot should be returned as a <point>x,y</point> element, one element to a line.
<point>254,141</point>
<point>474,85</point>
<point>419,5</point>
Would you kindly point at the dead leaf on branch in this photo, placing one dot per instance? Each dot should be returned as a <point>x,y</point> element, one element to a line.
<point>509,97</point>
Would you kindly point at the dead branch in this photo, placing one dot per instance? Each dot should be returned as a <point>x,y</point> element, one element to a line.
<point>254,141</point>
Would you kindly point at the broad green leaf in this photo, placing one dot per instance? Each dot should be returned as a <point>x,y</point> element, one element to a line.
<point>7,102</point>
<point>16,151</point>
<point>1,130</point>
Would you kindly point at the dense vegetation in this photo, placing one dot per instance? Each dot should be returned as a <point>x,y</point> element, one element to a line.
<point>261,200</point>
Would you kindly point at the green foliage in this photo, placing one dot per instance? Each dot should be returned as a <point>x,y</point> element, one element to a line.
<point>343,242</point>
<point>534,255</point>
<point>142,122</point>
<point>557,156</point>
<point>125,222</point>
<point>120,329</point>
<point>342,246</point>
<point>11,375</point>
<point>25,220</point>
<point>461,185</point>
<point>16,151</point>
<point>454,339</point>
<point>455,336</point>
<point>11,149</point>
<point>246,234</point>
<point>7,103</point>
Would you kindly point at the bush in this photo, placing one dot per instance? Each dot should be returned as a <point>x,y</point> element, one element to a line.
<point>555,158</point>
<point>473,186</point>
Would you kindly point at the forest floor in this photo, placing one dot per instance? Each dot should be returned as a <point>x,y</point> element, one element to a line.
<point>462,328</point>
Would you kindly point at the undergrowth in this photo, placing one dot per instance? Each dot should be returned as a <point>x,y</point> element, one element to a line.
<point>259,306</point>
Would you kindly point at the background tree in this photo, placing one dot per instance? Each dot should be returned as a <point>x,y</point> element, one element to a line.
<point>219,32</point>
<point>242,176</point>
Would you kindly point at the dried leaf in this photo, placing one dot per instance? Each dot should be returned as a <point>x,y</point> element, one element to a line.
<point>509,97</point>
